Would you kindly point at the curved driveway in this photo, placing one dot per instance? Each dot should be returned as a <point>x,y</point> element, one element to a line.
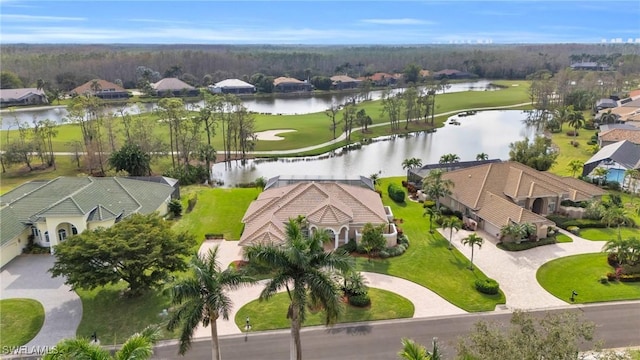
<point>26,277</point>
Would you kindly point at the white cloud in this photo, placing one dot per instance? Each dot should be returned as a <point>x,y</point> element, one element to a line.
<point>401,21</point>
<point>38,18</point>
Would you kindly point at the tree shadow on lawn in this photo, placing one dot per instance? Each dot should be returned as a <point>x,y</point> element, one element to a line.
<point>376,265</point>
<point>350,330</point>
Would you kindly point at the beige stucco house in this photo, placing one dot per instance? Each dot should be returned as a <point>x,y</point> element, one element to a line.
<point>338,208</point>
<point>493,195</point>
<point>49,211</point>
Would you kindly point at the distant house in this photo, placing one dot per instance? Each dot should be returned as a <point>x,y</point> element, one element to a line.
<point>102,89</point>
<point>341,210</point>
<point>606,104</point>
<point>452,74</point>
<point>616,158</point>
<point>493,195</point>
<point>343,82</point>
<point>287,84</point>
<point>232,86</point>
<point>26,96</point>
<point>591,66</point>
<point>614,135</point>
<point>381,79</point>
<point>425,73</point>
<point>174,87</point>
<point>49,211</point>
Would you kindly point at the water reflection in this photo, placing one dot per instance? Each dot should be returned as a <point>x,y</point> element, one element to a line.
<point>490,132</point>
<point>288,105</point>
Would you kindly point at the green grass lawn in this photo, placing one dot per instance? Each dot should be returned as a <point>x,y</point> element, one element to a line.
<point>270,315</point>
<point>582,273</point>
<point>114,318</point>
<point>428,262</point>
<point>568,152</point>
<point>218,211</point>
<point>630,204</point>
<point>607,234</point>
<point>20,321</point>
<point>562,238</point>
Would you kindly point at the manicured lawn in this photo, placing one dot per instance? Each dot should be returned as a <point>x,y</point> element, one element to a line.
<point>582,273</point>
<point>218,211</point>
<point>607,234</point>
<point>115,317</point>
<point>269,315</point>
<point>630,204</point>
<point>20,321</point>
<point>568,152</point>
<point>562,238</point>
<point>428,262</point>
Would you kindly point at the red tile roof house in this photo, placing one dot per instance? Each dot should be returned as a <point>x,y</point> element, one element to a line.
<point>338,208</point>
<point>614,135</point>
<point>381,79</point>
<point>102,89</point>
<point>497,194</point>
<point>26,96</point>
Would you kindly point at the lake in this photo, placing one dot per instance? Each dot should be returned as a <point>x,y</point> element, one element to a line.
<point>490,132</point>
<point>285,105</point>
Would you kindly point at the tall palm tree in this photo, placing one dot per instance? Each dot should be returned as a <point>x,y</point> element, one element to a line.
<point>601,174</point>
<point>303,268</point>
<point>608,118</point>
<point>202,298</point>
<point>436,187</point>
<point>434,215</point>
<point>414,351</point>
<point>575,166</point>
<point>449,159</point>
<point>374,178</point>
<point>482,156</point>
<point>576,121</point>
<point>617,216</point>
<point>473,240</point>
<point>138,346</point>
<point>408,164</point>
<point>452,222</point>
<point>561,114</point>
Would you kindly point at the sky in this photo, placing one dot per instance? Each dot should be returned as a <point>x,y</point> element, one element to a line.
<point>319,22</point>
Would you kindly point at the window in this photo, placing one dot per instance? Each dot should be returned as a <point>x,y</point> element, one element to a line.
<point>46,236</point>
<point>35,232</point>
<point>62,234</point>
<point>74,230</point>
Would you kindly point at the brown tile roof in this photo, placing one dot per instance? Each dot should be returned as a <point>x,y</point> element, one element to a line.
<point>615,135</point>
<point>500,211</point>
<point>104,86</point>
<point>343,78</point>
<point>478,188</point>
<point>634,93</point>
<point>283,79</point>
<point>171,84</point>
<point>323,203</point>
<point>379,76</point>
<point>425,73</point>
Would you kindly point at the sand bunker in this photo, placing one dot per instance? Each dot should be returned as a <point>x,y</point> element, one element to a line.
<point>272,135</point>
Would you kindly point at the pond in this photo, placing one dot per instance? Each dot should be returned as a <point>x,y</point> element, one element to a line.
<point>490,132</point>
<point>285,105</point>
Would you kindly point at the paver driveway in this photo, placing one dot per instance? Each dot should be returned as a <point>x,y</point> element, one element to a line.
<point>27,277</point>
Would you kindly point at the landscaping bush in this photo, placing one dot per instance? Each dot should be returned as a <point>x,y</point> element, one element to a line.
<point>396,193</point>
<point>360,300</point>
<point>360,249</point>
<point>612,185</point>
<point>191,203</point>
<point>525,245</point>
<point>403,239</point>
<point>612,277</point>
<point>572,133</point>
<point>213,236</point>
<point>350,246</point>
<point>175,207</point>
<point>428,204</point>
<point>581,204</point>
<point>487,286</point>
<point>612,259</point>
<point>192,174</point>
<point>629,278</point>
<point>383,254</point>
<point>604,280</point>
<point>573,229</point>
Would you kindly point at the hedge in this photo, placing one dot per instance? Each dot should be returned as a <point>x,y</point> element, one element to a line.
<point>396,193</point>
<point>487,286</point>
<point>362,300</point>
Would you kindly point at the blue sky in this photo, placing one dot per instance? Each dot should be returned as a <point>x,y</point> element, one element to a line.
<point>319,22</point>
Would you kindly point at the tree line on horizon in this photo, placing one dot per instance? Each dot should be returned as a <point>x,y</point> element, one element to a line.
<point>66,66</point>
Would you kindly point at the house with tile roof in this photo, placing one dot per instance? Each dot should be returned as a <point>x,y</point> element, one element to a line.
<point>103,89</point>
<point>285,84</point>
<point>381,79</point>
<point>25,96</point>
<point>174,87</point>
<point>452,74</point>
<point>618,134</point>
<point>616,158</point>
<point>232,86</point>
<point>496,194</point>
<point>48,211</point>
<point>343,82</point>
<point>340,209</point>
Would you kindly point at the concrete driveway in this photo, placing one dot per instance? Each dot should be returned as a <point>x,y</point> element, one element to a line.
<point>27,277</point>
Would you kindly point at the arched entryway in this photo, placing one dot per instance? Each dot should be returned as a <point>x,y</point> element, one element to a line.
<point>538,206</point>
<point>64,230</point>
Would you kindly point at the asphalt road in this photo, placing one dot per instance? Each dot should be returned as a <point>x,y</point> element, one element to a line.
<point>617,324</point>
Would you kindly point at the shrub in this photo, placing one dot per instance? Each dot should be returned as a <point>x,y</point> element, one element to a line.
<point>629,277</point>
<point>429,204</point>
<point>612,259</point>
<point>525,245</point>
<point>612,277</point>
<point>362,300</point>
<point>213,236</point>
<point>487,286</point>
<point>592,142</point>
<point>404,183</point>
<point>190,175</point>
<point>175,207</point>
<point>573,229</point>
<point>350,246</point>
<point>396,193</point>
<point>403,239</point>
<point>612,185</point>
<point>631,269</point>
<point>383,254</point>
<point>191,203</point>
<point>360,249</point>
<point>572,133</point>
<point>604,280</point>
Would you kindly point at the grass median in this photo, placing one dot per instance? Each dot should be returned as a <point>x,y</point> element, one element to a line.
<point>20,321</point>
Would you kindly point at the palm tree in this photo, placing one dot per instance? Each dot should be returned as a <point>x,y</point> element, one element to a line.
<point>434,215</point>
<point>138,346</point>
<point>576,121</point>
<point>408,164</point>
<point>95,86</point>
<point>449,159</point>
<point>513,231</point>
<point>374,178</point>
<point>608,118</point>
<point>436,187</point>
<point>303,268</point>
<point>561,115</point>
<point>414,351</point>
<point>631,177</point>
<point>601,174</point>
<point>482,156</point>
<point>575,166</point>
<point>452,222</point>
<point>617,216</point>
<point>473,240</point>
<point>202,298</point>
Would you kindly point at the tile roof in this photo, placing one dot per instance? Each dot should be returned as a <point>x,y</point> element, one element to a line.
<point>343,78</point>
<point>99,198</point>
<point>379,76</point>
<point>105,86</point>
<point>324,204</point>
<point>283,79</point>
<point>17,94</point>
<point>171,84</point>
<point>616,135</point>
<point>492,189</point>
